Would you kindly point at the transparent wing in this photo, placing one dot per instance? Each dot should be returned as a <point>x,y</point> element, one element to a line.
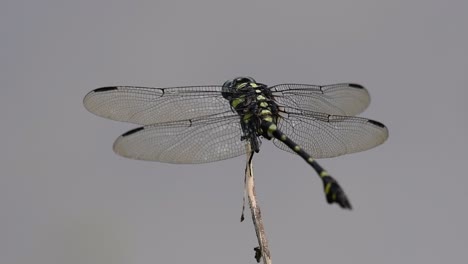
<point>325,136</point>
<point>188,141</point>
<point>145,105</point>
<point>346,99</point>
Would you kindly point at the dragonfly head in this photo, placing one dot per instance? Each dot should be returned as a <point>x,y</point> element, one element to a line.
<point>238,82</point>
<point>231,86</point>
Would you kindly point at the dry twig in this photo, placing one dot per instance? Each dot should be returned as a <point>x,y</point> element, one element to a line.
<point>262,251</point>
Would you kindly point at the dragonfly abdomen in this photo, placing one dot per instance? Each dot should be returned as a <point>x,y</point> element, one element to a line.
<point>334,193</point>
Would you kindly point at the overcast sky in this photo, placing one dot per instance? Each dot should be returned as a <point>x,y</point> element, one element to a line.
<point>65,197</point>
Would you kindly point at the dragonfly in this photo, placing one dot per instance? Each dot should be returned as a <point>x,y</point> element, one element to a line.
<point>200,124</point>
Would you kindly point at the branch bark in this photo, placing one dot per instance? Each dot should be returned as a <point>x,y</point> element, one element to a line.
<point>262,251</point>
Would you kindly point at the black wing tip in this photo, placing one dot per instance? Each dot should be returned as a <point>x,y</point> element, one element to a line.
<point>105,89</point>
<point>376,123</point>
<point>133,131</point>
<point>355,85</point>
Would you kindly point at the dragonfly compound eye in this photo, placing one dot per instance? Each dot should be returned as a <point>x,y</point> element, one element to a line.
<point>228,83</point>
<point>243,79</point>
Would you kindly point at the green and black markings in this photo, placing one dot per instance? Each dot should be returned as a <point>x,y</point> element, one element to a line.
<point>333,191</point>
<point>259,114</point>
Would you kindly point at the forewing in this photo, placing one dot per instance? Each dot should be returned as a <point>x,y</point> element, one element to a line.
<point>146,105</point>
<point>325,136</point>
<point>188,141</point>
<point>347,99</point>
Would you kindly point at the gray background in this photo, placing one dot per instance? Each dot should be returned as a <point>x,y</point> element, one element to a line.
<point>65,197</point>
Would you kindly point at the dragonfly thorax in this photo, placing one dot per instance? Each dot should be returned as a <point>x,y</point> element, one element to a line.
<point>254,104</point>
